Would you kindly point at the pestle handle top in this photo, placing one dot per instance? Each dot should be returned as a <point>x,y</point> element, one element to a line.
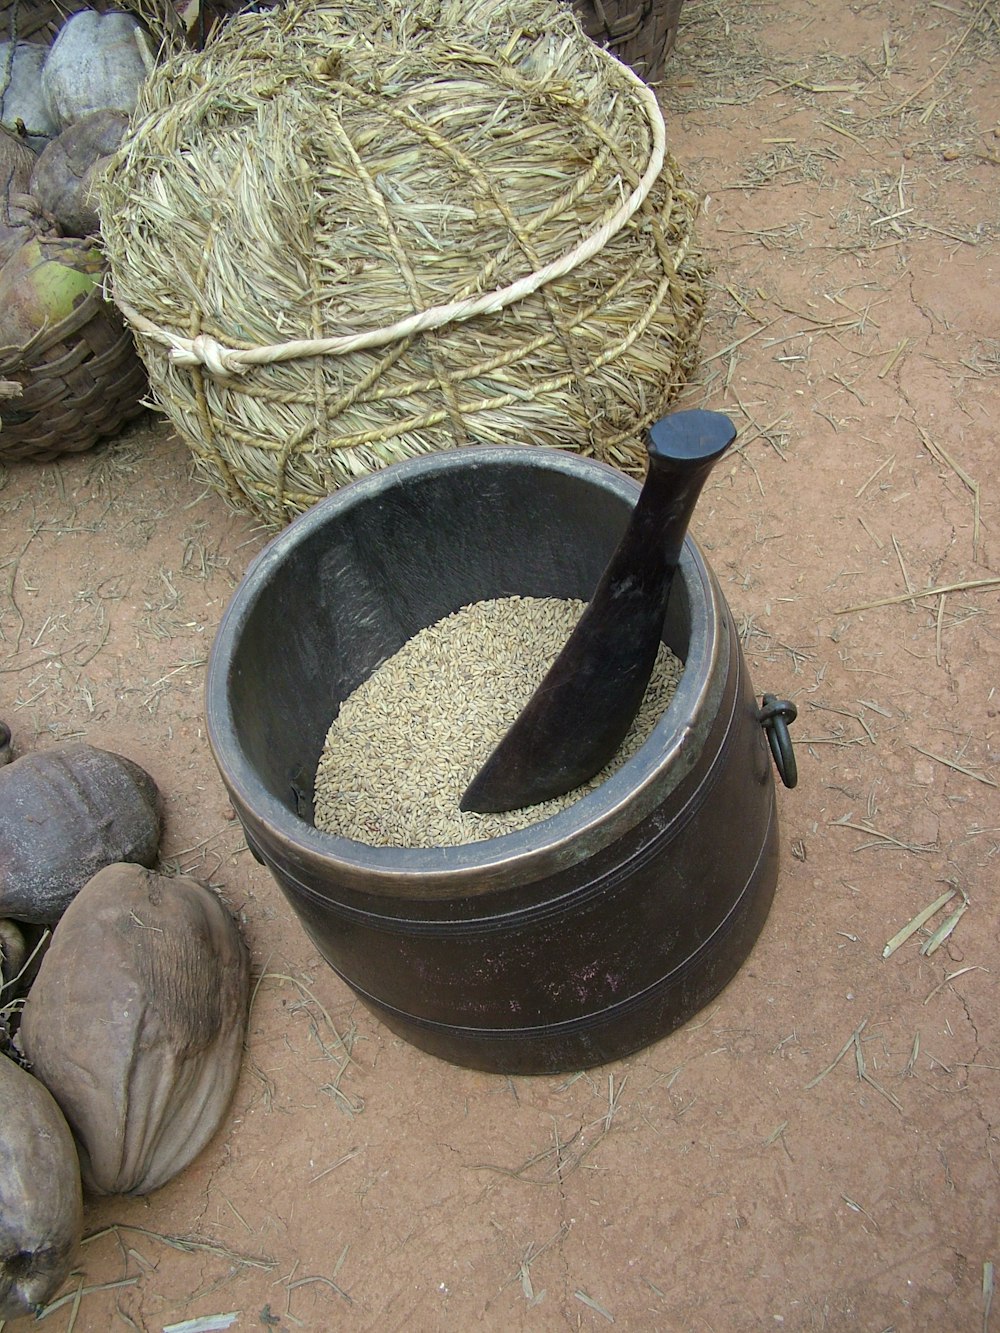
<point>696,436</point>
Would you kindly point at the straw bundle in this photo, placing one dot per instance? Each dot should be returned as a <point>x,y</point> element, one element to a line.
<point>344,234</point>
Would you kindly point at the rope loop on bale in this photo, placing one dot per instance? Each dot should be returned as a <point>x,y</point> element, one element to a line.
<point>223,362</point>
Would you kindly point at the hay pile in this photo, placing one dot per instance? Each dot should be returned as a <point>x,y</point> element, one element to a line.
<point>349,233</point>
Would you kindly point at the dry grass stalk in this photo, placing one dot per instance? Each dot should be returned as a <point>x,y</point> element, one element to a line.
<point>74,1297</point>
<point>319,1278</point>
<point>187,1245</point>
<point>919,920</point>
<point>852,1039</point>
<point>967,585</point>
<point>987,1294</point>
<point>564,1156</point>
<point>594,1305</point>
<point>881,838</point>
<point>949,978</point>
<point>944,931</point>
<point>939,452</point>
<point>212,1323</point>
<point>307,211</point>
<point>959,768</point>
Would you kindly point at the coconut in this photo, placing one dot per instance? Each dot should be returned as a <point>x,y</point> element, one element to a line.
<point>13,955</point>
<point>16,163</point>
<point>98,62</point>
<point>65,813</point>
<point>22,99</point>
<point>42,283</point>
<point>142,1052</point>
<point>21,216</point>
<point>63,176</point>
<point>41,1201</point>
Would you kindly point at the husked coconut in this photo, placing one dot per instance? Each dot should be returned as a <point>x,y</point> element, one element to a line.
<point>16,162</point>
<point>22,98</point>
<point>98,62</point>
<point>41,1201</point>
<point>20,214</point>
<point>63,176</point>
<point>21,219</point>
<point>13,956</point>
<point>65,813</point>
<point>142,1052</point>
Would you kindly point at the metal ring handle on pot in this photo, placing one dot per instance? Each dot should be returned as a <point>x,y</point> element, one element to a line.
<point>774,716</point>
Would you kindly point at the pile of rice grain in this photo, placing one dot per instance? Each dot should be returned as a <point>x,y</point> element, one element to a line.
<point>410,739</point>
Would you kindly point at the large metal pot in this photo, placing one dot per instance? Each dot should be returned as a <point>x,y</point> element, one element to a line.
<point>581,938</point>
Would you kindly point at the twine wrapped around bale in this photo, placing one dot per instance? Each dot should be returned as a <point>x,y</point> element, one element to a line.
<point>344,234</point>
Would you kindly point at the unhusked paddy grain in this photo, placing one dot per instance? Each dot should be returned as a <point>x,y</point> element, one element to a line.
<point>409,740</point>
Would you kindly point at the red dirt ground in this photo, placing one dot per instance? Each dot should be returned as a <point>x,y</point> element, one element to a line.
<point>737,1175</point>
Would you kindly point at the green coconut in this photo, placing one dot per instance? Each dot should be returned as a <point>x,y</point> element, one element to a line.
<point>44,281</point>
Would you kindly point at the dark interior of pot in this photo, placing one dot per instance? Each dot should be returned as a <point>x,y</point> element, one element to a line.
<point>352,580</point>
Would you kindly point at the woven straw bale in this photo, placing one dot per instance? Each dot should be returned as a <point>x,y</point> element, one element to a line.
<point>344,234</point>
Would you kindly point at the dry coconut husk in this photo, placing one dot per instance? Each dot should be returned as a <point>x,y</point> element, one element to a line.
<point>345,234</point>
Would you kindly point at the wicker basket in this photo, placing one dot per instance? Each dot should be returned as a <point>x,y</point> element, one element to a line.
<point>79,381</point>
<point>40,20</point>
<point>640,32</point>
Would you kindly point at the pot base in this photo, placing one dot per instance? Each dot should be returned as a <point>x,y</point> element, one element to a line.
<point>612,1033</point>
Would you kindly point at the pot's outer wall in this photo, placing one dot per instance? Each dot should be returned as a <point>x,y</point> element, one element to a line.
<point>573,942</point>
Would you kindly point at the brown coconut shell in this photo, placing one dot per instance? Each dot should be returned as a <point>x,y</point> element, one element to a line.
<point>21,216</point>
<point>65,813</point>
<point>41,1202</point>
<point>13,955</point>
<point>63,175</point>
<point>16,162</point>
<point>142,1053</point>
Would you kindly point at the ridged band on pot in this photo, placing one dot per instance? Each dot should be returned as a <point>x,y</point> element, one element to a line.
<point>581,937</point>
